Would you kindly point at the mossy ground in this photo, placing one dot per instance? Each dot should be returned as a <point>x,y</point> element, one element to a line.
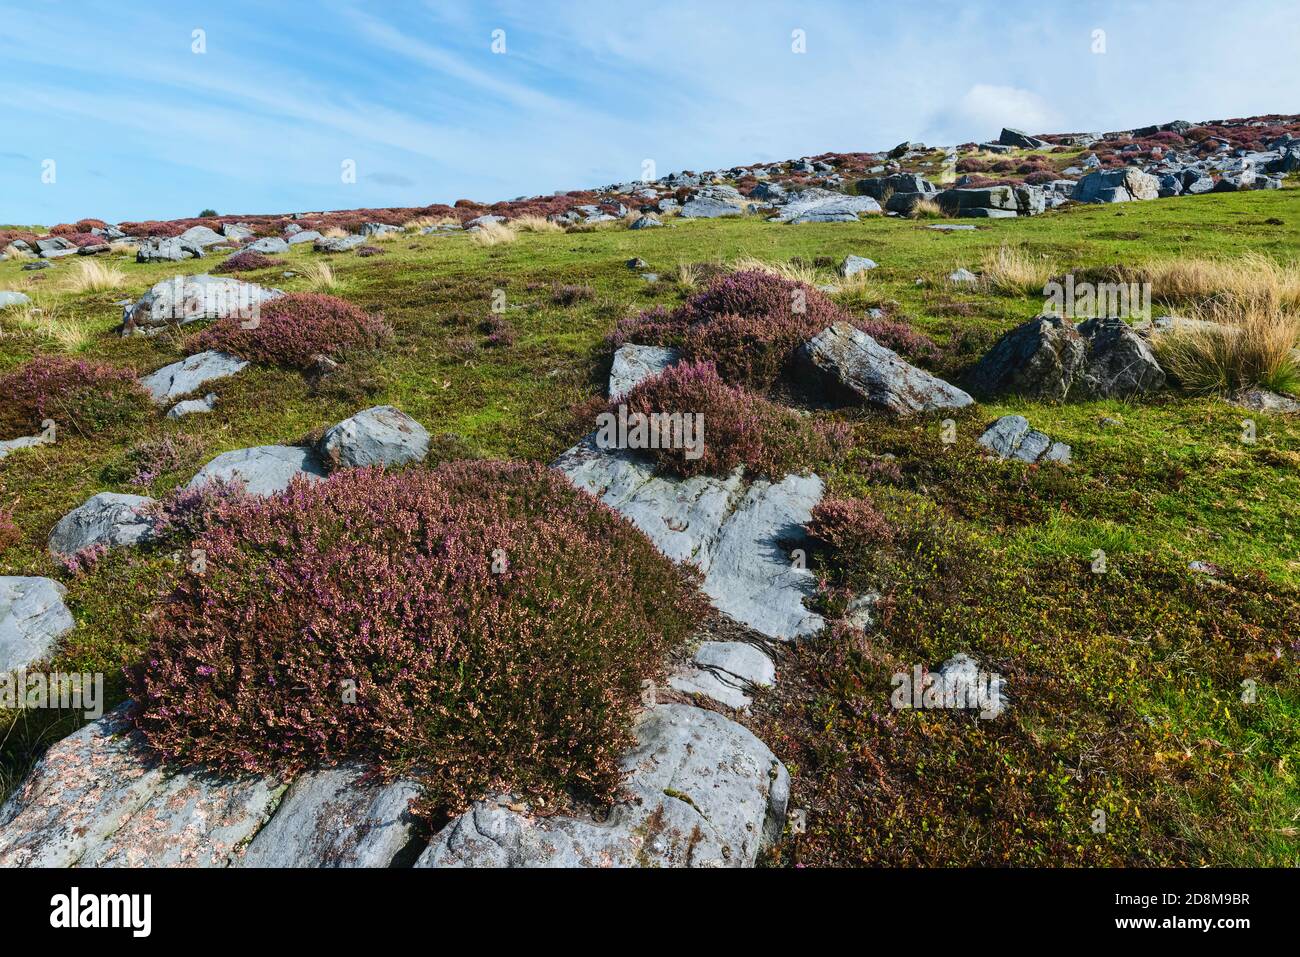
<point>1170,482</point>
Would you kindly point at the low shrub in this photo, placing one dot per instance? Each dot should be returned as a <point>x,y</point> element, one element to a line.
<point>77,394</point>
<point>246,262</point>
<point>567,295</point>
<point>481,626</point>
<point>500,332</point>
<point>10,533</point>
<point>739,427</point>
<point>295,328</point>
<point>908,342</point>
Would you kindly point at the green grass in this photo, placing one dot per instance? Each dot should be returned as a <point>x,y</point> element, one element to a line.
<point>1172,482</point>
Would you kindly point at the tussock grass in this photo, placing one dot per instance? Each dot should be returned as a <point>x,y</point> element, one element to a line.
<point>1240,342</point>
<point>1015,271</point>
<point>420,222</point>
<point>122,248</point>
<point>689,276</point>
<point>333,232</point>
<point>13,252</point>
<point>535,224</point>
<point>92,275</point>
<point>926,209</point>
<point>1253,277</point>
<point>493,234</point>
<point>320,277</point>
<point>795,272</point>
<point>46,323</point>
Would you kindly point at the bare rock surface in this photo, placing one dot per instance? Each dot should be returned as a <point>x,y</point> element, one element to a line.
<point>263,469</point>
<point>382,435</point>
<point>181,378</point>
<point>634,363</point>
<point>109,519</point>
<point>32,618</point>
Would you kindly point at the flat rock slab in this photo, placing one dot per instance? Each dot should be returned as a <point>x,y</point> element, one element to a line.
<point>193,406</point>
<point>378,436</point>
<point>1011,437</point>
<point>335,818</point>
<point>32,617</point>
<point>109,519</point>
<point>1262,400</point>
<point>181,378</point>
<point>738,659</point>
<point>184,299</point>
<point>705,793</point>
<point>263,469</point>
<point>10,298</point>
<point>855,364</point>
<point>633,364</point>
<point>825,206</point>
<point>22,442</point>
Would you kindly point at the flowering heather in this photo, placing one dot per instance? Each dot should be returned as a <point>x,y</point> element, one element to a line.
<point>152,458</point>
<point>740,427</point>
<point>749,324</point>
<point>293,329</point>
<point>481,626</point>
<point>500,333</point>
<point>850,523</point>
<point>246,261</point>
<point>10,533</point>
<point>902,338</point>
<point>75,393</point>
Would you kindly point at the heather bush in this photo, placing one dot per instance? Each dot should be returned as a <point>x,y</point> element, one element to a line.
<point>1041,176</point>
<point>499,331</point>
<point>749,324</point>
<point>77,394</point>
<point>10,533</point>
<point>480,626</point>
<point>567,295</point>
<point>902,338</point>
<point>845,524</point>
<point>150,459</point>
<point>739,427</point>
<point>247,261</point>
<point>293,329</point>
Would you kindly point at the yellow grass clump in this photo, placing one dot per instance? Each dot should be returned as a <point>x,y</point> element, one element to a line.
<point>1237,342</point>
<point>320,277</point>
<point>91,275</point>
<point>1016,271</point>
<point>492,234</point>
<point>535,224</point>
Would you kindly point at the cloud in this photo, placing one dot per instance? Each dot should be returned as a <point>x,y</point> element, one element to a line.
<point>993,107</point>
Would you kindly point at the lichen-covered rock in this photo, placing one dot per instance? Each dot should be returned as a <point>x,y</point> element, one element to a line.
<point>378,436</point>
<point>181,378</point>
<point>193,406</point>
<point>269,245</point>
<point>335,818</point>
<point>704,793</point>
<point>22,442</point>
<point>108,519</point>
<point>815,205</point>
<point>263,469</point>
<point>633,363</point>
<point>185,299</point>
<point>1038,358</point>
<point>32,617</point>
<point>855,364</point>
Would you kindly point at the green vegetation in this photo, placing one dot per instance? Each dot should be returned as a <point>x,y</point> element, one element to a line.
<point>1125,686</point>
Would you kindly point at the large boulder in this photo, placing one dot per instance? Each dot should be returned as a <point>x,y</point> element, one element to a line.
<point>634,363</point>
<point>1021,140</point>
<point>707,207</point>
<point>1119,364</point>
<point>32,617</point>
<point>988,197</point>
<point>1116,186</point>
<point>304,236</point>
<point>201,236</point>
<point>854,364</point>
<point>263,469</point>
<point>702,792</point>
<point>379,436</point>
<point>335,817</point>
<point>168,250</point>
<point>337,244</point>
<point>816,205</point>
<point>181,378</point>
<point>268,245</point>
<point>184,299</point>
<point>1038,358</point>
<point>108,519</point>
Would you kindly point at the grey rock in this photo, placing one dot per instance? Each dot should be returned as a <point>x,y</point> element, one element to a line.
<point>634,363</point>
<point>193,406</point>
<point>646,222</point>
<point>708,208</point>
<point>109,519</point>
<point>950,228</point>
<point>979,212</point>
<point>1038,358</point>
<point>855,364</point>
<point>856,264</point>
<point>698,681</point>
<point>305,236</point>
<point>335,818</point>
<point>1263,400</point>
<point>268,245</point>
<point>185,299</point>
<point>815,205</point>
<point>1011,437</point>
<point>9,298</point>
<point>236,231</point>
<point>32,617</point>
<point>337,244</point>
<point>167,250</point>
<point>1117,185</point>
<point>1119,364</point>
<point>263,469</point>
<point>1016,138</point>
<point>378,436</point>
<point>739,660</point>
<point>22,442</point>
<point>988,197</point>
<point>201,236</point>
<point>962,275</point>
<point>181,378</point>
<point>375,229</point>
<point>704,792</point>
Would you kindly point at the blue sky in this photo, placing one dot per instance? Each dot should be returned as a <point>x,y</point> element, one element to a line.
<point>141,126</point>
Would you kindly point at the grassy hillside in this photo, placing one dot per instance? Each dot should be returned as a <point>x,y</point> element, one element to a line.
<point>1141,714</point>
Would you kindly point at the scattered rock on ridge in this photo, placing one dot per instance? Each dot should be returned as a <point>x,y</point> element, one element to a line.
<point>32,617</point>
<point>1262,400</point>
<point>854,363</point>
<point>1038,358</point>
<point>263,469</point>
<point>1116,186</point>
<point>109,519</point>
<point>181,378</point>
<point>185,299</point>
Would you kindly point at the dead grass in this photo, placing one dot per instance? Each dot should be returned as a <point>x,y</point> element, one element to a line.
<point>422,222</point>
<point>13,252</point>
<point>333,232</point>
<point>1253,277</point>
<point>493,234</point>
<point>926,209</point>
<point>91,275</point>
<point>690,276</point>
<point>48,323</point>
<point>1239,342</point>
<point>795,272</point>
<point>321,277</point>
<point>1016,271</point>
<point>535,224</point>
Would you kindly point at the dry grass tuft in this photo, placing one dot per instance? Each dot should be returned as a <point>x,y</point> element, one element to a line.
<point>1016,271</point>
<point>333,232</point>
<point>493,234</point>
<point>1253,277</point>
<point>47,323</point>
<point>13,252</point>
<point>92,275</point>
<point>535,224</point>
<point>320,277</point>
<point>926,209</point>
<point>795,272</point>
<point>1239,342</point>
